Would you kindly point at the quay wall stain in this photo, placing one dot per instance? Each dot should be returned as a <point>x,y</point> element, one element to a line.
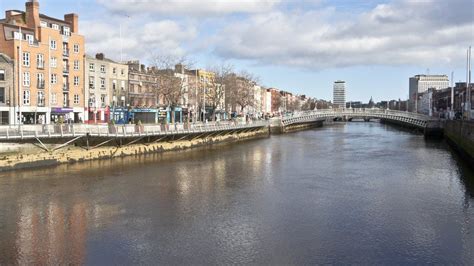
<point>36,157</point>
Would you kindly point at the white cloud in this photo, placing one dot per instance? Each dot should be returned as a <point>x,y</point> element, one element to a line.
<point>399,33</point>
<point>189,7</point>
<point>138,41</point>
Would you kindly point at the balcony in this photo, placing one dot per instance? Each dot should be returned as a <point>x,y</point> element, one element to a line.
<point>66,103</point>
<point>65,52</point>
<point>66,87</point>
<point>66,69</point>
<point>41,103</point>
<point>40,84</point>
<point>40,65</point>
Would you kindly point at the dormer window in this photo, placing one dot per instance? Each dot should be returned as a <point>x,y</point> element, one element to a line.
<point>17,36</point>
<point>30,38</point>
<point>67,31</point>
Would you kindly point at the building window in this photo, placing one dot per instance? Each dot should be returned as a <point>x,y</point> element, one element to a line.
<point>40,80</point>
<point>30,39</point>
<point>40,98</point>
<point>65,49</point>
<point>76,48</point>
<point>114,84</point>
<point>122,72</point>
<point>54,62</point>
<point>102,83</point>
<point>114,70</point>
<point>65,100</point>
<point>66,31</point>
<point>26,59</point>
<point>102,100</point>
<point>44,24</point>
<point>40,61</point>
<point>76,64</point>
<point>52,44</point>
<point>65,66</point>
<point>91,83</point>
<point>102,69</point>
<point>65,83</point>
<point>91,101</point>
<point>54,79</point>
<point>26,79</point>
<point>76,98</point>
<point>26,97</point>
<point>122,84</point>
<point>54,99</point>
<point>55,26</point>
<point>76,81</point>
<point>2,74</point>
<point>91,67</point>
<point>2,95</point>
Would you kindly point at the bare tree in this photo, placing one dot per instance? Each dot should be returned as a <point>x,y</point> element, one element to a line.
<point>171,86</point>
<point>241,90</point>
<point>294,105</point>
<point>276,102</point>
<point>216,95</point>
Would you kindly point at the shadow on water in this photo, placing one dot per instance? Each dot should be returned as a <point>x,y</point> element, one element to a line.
<point>466,171</point>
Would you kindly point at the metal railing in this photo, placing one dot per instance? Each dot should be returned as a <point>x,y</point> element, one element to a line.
<point>14,132</point>
<point>415,119</point>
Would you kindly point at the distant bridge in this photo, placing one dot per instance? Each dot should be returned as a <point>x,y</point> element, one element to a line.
<point>416,120</point>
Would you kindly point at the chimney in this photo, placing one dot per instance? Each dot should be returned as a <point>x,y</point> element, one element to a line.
<point>32,16</point>
<point>73,20</point>
<point>99,56</point>
<point>142,67</point>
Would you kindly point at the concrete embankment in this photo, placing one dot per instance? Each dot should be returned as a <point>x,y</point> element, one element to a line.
<point>25,156</point>
<point>460,135</point>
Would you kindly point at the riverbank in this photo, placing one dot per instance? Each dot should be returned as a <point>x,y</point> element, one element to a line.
<point>460,135</point>
<point>29,156</point>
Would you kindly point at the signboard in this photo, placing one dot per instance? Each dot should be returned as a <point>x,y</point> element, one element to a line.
<point>61,110</point>
<point>144,110</point>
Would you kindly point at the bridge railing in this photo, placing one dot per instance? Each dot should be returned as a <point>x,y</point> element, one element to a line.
<point>72,130</point>
<point>361,111</point>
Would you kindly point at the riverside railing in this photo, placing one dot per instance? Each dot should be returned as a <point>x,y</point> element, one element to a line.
<point>12,132</point>
<point>361,112</point>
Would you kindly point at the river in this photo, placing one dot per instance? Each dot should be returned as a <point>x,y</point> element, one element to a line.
<point>359,192</point>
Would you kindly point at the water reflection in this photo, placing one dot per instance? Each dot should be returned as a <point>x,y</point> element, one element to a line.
<point>300,198</point>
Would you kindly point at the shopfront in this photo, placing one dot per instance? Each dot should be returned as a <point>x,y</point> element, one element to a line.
<point>178,115</point>
<point>98,115</point>
<point>145,115</point>
<point>120,115</point>
<point>162,115</point>
<point>62,115</point>
<point>33,115</point>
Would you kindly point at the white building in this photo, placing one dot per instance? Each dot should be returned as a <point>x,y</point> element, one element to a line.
<point>339,94</point>
<point>421,83</point>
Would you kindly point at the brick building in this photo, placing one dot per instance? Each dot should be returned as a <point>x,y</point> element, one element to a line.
<point>48,55</point>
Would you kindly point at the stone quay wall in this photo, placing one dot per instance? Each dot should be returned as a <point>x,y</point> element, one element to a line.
<point>460,135</point>
<point>30,156</point>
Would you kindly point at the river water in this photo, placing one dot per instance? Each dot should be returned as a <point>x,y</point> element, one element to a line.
<point>347,193</point>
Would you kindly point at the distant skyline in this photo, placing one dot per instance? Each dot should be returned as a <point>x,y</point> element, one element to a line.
<point>301,46</point>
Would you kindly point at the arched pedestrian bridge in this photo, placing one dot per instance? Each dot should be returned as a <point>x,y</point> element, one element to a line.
<point>423,122</point>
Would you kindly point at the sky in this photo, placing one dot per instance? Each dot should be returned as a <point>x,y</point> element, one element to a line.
<point>301,46</point>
